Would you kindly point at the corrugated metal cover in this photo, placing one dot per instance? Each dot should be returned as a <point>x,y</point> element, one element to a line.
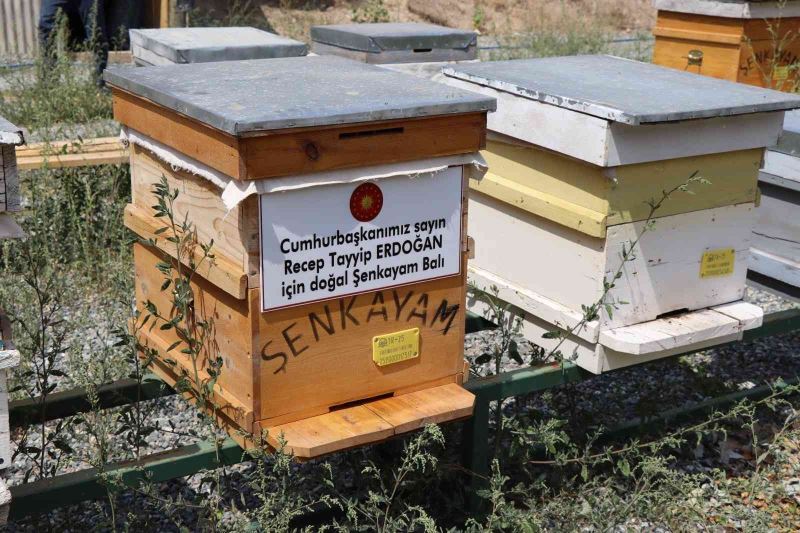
<point>264,94</point>
<point>622,90</point>
<point>200,45</point>
<point>401,36</point>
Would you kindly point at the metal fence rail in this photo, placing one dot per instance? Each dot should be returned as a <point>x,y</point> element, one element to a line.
<point>67,489</point>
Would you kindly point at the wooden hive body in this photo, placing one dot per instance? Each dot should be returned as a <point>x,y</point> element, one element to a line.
<point>10,137</point>
<point>752,44</point>
<point>308,368</point>
<point>776,236</point>
<point>582,204</point>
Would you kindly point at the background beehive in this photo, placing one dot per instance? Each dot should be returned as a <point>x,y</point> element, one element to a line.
<point>735,42</point>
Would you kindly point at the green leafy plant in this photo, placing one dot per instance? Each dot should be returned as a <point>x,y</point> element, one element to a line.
<point>370,11</point>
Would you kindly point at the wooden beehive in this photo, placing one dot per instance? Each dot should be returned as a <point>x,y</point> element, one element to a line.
<point>578,150</point>
<point>776,238</point>
<point>327,368</point>
<point>170,46</point>
<point>745,41</point>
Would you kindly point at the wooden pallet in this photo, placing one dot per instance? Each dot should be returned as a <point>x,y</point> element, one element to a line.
<point>60,154</point>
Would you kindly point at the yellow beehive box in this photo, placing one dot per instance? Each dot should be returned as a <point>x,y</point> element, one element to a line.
<point>744,41</point>
<point>337,294</point>
<point>580,150</point>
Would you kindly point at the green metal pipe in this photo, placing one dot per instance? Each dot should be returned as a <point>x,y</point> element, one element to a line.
<point>47,494</point>
<point>75,401</point>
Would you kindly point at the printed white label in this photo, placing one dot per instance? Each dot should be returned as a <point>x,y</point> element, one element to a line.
<point>337,240</point>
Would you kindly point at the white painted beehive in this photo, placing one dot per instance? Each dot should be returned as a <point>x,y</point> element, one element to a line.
<point>10,137</point>
<point>577,149</point>
<point>776,238</point>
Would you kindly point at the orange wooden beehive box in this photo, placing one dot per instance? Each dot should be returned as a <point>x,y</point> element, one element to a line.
<point>334,193</point>
<point>745,41</point>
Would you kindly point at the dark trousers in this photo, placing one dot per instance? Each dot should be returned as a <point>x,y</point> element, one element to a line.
<point>87,24</point>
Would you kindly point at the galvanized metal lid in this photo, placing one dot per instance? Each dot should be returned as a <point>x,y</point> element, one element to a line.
<point>265,94</point>
<point>400,36</point>
<point>740,9</point>
<point>201,45</point>
<point>621,90</point>
<point>10,134</point>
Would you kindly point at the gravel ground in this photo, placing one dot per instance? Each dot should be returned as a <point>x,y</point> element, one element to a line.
<point>606,400</point>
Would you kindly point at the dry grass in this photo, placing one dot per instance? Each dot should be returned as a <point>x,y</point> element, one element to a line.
<point>294,18</point>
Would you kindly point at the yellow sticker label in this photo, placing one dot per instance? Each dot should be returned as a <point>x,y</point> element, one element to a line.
<point>395,347</point>
<point>781,73</point>
<point>717,263</point>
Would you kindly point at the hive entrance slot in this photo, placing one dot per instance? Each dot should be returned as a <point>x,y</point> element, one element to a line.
<point>355,403</point>
<point>371,133</point>
<point>673,313</point>
<point>422,50</point>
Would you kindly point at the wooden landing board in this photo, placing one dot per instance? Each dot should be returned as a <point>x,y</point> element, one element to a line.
<point>644,342</point>
<point>58,154</point>
<point>372,422</point>
<point>683,330</point>
<point>303,150</point>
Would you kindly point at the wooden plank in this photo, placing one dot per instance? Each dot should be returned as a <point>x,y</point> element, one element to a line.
<point>303,150</point>
<point>673,332</point>
<point>230,339</point>
<point>235,232</point>
<point>775,267</point>
<point>777,229</point>
<point>212,147</point>
<point>331,432</point>
<point>113,157</point>
<point>222,272</point>
<point>310,150</point>
<point>588,198</point>
<point>372,422</point>
<point>98,144</point>
<point>5,431</point>
<point>436,405</point>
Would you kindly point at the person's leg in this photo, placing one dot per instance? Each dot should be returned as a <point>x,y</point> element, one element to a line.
<point>49,16</point>
<point>122,15</point>
<point>93,15</point>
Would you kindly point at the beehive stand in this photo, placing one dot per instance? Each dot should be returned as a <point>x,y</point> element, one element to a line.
<point>776,238</point>
<point>746,41</point>
<point>169,46</point>
<point>306,371</point>
<point>577,149</point>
